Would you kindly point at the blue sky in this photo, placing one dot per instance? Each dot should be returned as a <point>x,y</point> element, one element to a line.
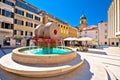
<point>71,10</point>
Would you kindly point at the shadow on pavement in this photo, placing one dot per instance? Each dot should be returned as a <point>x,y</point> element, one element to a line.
<point>4,51</point>
<point>95,52</point>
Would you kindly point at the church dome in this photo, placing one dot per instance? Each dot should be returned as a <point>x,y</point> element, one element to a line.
<point>83,17</point>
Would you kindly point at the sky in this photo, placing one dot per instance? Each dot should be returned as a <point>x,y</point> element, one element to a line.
<point>71,10</point>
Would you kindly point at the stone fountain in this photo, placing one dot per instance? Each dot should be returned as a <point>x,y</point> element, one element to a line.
<point>46,58</point>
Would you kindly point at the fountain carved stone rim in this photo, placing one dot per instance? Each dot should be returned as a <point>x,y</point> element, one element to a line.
<point>42,59</point>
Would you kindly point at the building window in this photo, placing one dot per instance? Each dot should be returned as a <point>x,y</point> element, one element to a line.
<point>29,15</point>
<point>21,32</point>
<point>58,25</point>
<point>26,33</point>
<point>3,1</point>
<point>7,13</point>
<point>96,32</point>
<point>6,25</point>
<point>35,25</point>
<point>12,26</point>
<point>105,31</point>
<point>3,12</point>
<point>29,24</point>
<point>19,22</point>
<point>12,15</point>
<point>15,32</point>
<point>82,22</point>
<point>105,43</point>
<point>0,11</point>
<point>26,23</point>
<point>2,26</point>
<point>37,18</point>
<point>22,22</point>
<point>15,21</point>
<point>117,43</point>
<point>20,12</point>
<point>105,24</point>
<point>105,36</point>
<point>9,3</point>
<point>112,43</point>
<point>24,6</point>
<point>30,33</point>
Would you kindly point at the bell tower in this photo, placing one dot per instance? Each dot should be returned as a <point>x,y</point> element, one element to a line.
<point>83,22</point>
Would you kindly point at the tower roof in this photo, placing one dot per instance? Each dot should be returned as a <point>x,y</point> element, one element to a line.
<point>83,17</point>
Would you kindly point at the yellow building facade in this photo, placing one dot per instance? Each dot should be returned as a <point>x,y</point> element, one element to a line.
<point>26,19</point>
<point>73,32</point>
<point>65,29</point>
<point>63,26</point>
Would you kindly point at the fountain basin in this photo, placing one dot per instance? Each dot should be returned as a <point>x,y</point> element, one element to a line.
<point>21,57</point>
<point>8,64</point>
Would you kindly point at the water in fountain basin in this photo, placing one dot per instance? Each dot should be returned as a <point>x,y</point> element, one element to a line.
<point>46,51</point>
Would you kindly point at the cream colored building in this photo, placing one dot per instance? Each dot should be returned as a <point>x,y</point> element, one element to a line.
<point>26,19</point>
<point>103,36</point>
<point>6,21</point>
<point>91,31</point>
<point>114,20</point>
